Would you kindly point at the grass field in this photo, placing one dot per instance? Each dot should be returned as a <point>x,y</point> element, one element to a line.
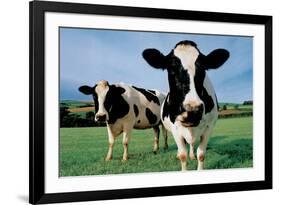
<point>83,150</point>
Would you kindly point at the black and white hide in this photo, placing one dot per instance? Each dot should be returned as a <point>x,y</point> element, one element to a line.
<point>124,107</point>
<point>190,110</point>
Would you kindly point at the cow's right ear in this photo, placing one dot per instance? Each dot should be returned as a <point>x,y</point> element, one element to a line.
<point>215,59</point>
<point>154,58</point>
<point>87,90</point>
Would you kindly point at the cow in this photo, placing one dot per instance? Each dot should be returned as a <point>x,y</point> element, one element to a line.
<point>190,109</point>
<point>124,107</point>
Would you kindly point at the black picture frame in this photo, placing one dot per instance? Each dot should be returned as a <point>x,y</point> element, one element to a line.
<point>37,9</point>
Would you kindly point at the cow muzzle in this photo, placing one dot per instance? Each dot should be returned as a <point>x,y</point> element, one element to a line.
<point>192,116</point>
<point>100,117</point>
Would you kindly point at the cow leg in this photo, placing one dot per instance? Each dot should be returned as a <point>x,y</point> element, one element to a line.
<point>126,139</point>
<point>111,139</point>
<point>182,154</point>
<point>202,149</point>
<point>165,135</point>
<point>156,139</point>
<point>191,151</point>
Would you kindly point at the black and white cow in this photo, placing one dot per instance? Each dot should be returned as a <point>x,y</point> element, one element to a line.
<point>124,107</point>
<point>190,110</point>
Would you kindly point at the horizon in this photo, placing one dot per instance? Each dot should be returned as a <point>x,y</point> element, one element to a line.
<point>89,55</point>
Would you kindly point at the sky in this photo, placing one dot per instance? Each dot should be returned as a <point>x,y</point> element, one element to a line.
<point>90,55</point>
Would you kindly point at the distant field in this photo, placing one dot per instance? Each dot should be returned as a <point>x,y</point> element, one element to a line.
<point>76,103</point>
<point>81,109</point>
<point>82,150</point>
<point>231,106</point>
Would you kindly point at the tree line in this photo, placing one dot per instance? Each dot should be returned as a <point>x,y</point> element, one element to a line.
<point>68,119</point>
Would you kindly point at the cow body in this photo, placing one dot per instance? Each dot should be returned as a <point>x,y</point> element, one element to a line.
<point>190,109</point>
<point>184,134</point>
<point>124,107</point>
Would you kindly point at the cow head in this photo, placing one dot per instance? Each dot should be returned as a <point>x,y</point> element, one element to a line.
<point>186,67</point>
<point>103,95</point>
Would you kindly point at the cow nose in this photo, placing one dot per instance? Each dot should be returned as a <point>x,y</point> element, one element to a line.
<point>195,108</point>
<point>192,116</point>
<point>101,117</point>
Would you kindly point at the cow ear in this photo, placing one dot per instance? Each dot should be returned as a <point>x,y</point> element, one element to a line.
<point>154,58</point>
<point>214,59</point>
<point>87,90</point>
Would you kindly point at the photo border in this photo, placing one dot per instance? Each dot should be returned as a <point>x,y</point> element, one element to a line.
<point>37,11</point>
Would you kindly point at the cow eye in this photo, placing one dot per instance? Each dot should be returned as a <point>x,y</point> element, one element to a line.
<point>175,62</point>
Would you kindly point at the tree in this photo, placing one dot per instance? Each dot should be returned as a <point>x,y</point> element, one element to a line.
<point>224,107</point>
<point>63,111</point>
<point>248,102</point>
<point>90,116</point>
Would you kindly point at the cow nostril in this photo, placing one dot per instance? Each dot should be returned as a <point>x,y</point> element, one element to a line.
<point>101,117</point>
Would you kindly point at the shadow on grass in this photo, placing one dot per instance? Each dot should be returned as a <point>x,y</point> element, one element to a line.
<point>225,145</point>
<point>224,152</point>
<point>222,145</point>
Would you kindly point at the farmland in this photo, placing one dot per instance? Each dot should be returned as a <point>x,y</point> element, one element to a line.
<point>74,113</point>
<point>82,150</point>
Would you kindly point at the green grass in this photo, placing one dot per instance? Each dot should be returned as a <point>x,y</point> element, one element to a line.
<point>246,107</point>
<point>83,150</point>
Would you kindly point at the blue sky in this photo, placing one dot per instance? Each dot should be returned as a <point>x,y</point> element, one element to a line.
<point>90,55</point>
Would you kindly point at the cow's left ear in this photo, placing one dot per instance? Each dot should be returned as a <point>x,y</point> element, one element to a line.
<point>154,58</point>
<point>87,90</point>
<point>214,59</point>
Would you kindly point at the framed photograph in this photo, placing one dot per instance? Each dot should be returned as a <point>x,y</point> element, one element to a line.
<point>130,102</point>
